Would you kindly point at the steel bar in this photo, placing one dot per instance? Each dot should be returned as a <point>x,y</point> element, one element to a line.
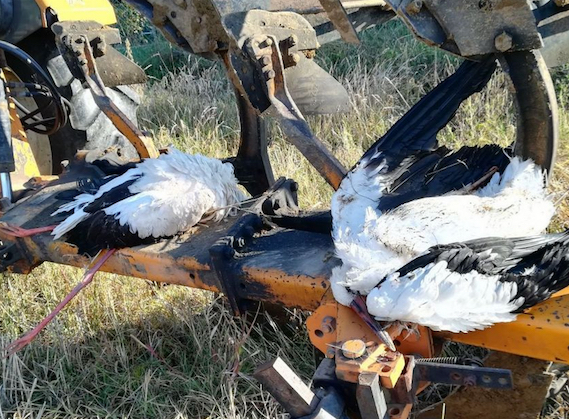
<point>371,400</point>
<point>538,119</point>
<point>287,387</point>
<point>339,18</point>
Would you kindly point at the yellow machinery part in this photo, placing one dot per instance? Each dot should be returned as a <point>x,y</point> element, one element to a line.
<point>542,332</point>
<point>285,267</point>
<point>26,165</point>
<point>25,161</point>
<point>100,11</point>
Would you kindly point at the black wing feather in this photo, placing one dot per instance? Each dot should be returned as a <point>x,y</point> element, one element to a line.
<point>539,265</point>
<point>440,172</point>
<point>418,128</point>
<point>111,197</point>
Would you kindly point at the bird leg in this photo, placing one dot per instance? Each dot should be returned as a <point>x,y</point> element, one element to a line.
<point>15,231</point>
<point>86,280</point>
<point>472,187</point>
<point>358,304</point>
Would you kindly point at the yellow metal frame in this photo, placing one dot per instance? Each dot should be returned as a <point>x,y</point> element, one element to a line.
<point>300,281</point>
<point>24,159</point>
<point>100,11</point>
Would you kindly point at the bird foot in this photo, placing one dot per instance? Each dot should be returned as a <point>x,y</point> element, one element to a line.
<point>15,231</point>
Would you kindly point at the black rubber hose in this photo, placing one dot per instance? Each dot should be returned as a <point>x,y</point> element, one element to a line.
<point>24,57</point>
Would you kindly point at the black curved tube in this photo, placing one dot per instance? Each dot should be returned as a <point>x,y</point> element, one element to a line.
<point>60,110</point>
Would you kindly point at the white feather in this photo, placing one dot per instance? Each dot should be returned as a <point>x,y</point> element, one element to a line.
<point>172,193</point>
<point>373,245</point>
<point>441,299</point>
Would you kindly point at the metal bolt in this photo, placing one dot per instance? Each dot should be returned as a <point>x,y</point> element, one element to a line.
<point>268,42</point>
<point>294,187</point>
<point>328,324</point>
<point>292,40</point>
<point>354,348</point>
<point>414,7</point>
<point>198,19</point>
<point>295,58</point>
<point>469,381</point>
<point>266,60</point>
<point>503,42</point>
<point>270,74</point>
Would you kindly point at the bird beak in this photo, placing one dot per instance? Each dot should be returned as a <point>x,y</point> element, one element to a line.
<point>358,304</point>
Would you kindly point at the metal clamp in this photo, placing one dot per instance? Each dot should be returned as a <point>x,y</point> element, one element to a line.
<point>80,52</point>
<point>223,253</point>
<point>264,49</point>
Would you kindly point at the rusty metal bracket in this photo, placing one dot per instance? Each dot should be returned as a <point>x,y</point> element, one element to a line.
<point>115,69</point>
<point>223,254</point>
<point>264,50</point>
<point>79,50</point>
<point>339,18</point>
<point>471,28</point>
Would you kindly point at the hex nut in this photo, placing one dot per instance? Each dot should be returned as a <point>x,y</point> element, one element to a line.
<point>503,42</point>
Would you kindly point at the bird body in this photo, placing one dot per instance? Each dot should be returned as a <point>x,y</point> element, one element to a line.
<point>468,286</point>
<point>407,197</point>
<point>158,198</point>
<point>373,245</point>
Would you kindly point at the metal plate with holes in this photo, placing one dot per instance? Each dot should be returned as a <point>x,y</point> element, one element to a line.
<point>464,375</point>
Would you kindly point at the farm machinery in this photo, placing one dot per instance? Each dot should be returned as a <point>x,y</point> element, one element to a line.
<point>65,99</point>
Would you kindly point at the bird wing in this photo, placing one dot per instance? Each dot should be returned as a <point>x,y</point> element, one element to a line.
<point>407,146</point>
<point>440,172</point>
<point>538,265</point>
<point>418,128</point>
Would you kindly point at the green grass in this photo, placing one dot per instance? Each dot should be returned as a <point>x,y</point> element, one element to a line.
<point>127,348</point>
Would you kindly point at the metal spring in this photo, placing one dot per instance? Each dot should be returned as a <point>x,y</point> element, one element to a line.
<point>440,360</point>
<point>462,360</point>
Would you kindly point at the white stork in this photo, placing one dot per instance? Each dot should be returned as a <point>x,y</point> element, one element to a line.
<point>406,194</point>
<point>472,285</point>
<point>157,198</point>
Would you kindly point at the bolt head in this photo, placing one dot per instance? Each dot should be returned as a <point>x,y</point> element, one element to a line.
<point>295,58</point>
<point>414,7</point>
<point>503,42</point>
<point>268,42</point>
<point>353,348</point>
<point>328,324</point>
<point>266,60</point>
<point>292,40</point>
<point>270,74</point>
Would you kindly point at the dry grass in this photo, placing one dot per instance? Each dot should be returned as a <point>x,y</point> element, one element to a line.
<point>126,348</point>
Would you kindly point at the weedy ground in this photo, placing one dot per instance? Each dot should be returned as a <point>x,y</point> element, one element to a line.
<point>128,348</point>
